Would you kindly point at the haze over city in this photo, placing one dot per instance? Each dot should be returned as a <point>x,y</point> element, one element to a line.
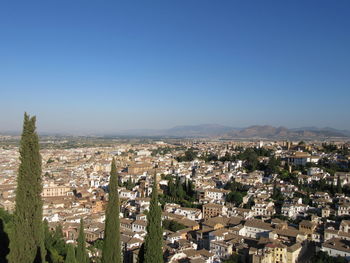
<point>91,66</point>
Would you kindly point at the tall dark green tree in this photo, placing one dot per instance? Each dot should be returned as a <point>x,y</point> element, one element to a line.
<point>154,240</point>
<point>111,252</point>
<point>180,193</point>
<point>81,255</point>
<point>339,188</point>
<point>26,238</point>
<point>70,255</point>
<point>171,188</point>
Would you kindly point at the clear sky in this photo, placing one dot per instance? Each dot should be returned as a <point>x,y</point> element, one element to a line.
<point>103,66</point>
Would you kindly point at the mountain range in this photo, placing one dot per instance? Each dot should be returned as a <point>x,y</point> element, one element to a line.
<point>256,131</point>
<point>225,132</point>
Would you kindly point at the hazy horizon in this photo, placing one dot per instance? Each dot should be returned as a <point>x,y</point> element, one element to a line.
<point>101,67</point>
<point>138,131</point>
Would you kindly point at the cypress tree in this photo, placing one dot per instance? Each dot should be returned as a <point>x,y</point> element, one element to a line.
<point>339,188</point>
<point>70,255</point>
<point>82,256</point>
<point>26,239</point>
<point>154,237</point>
<point>111,252</point>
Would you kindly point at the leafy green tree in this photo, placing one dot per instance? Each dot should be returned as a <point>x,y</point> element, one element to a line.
<point>235,197</point>
<point>153,241</point>
<point>6,216</point>
<point>235,258</point>
<point>81,255</point>
<point>238,191</point>
<point>111,252</point>
<point>55,257</point>
<point>249,204</point>
<point>211,157</point>
<point>276,193</point>
<point>323,257</point>
<point>329,148</point>
<point>278,197</point>
<point>59,242</point>
<point>273,165</point>
<point>98,244</point>
<point>26,240</point>
<point>70,255</point>
<point>235,186</point>
<point>173,225</point>
<point>54,244</point>
<point>251,159</point>
<point>129,184</point>
<point>227,157</point>
<point>189,156</point>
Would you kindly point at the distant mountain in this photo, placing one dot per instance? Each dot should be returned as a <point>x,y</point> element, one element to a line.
<point>260,131</point>
<point>267,131</point>
<point>222,131</point>
<point>256,131</point>
<point>203,130</point>
<point>138,132</point>
<point>325,130</point>
<point>199,130</point>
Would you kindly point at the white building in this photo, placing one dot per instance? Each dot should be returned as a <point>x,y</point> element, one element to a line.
<point>337,247</point>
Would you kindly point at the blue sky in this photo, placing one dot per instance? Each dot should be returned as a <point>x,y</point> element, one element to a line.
<point>103,66</point>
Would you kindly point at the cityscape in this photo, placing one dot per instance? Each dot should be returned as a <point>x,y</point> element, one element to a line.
<point>175,132</point>
<point>221,200</point>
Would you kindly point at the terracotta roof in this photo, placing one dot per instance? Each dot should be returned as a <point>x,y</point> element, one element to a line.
<point>258,224</point>
<point>338,244</point>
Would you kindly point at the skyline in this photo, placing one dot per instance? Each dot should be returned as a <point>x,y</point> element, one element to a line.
<point>88,67</point>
